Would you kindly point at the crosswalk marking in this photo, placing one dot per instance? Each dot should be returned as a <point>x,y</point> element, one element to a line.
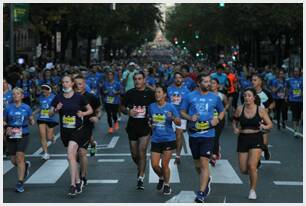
<point>102,181</point>
<point>40,150</point>
<point>224,173</point>
<point>49,172</point>
<point>270,162</point>
<point>7,166</point>
<point>110,145</point>
<point>111,160</point>
<point>288,183</point>
<point>186,151</point>
<point>174,177</point>
<point>183,197</point>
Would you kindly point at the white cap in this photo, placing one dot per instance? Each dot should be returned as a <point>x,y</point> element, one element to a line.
<point>132,64</point>
<point>49,65</point>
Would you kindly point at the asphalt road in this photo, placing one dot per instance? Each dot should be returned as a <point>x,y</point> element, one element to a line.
<point>113,174</point>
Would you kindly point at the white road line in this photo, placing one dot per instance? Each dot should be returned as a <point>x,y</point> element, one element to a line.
<point>288,183</point>
<point>174,177</point>
<point>113,142</point>
<point>224,173</point>
<point>224,201</point>
<point>111,160</point>
<point>183,197</point>
<point>40,150</point>
<point>49,172</point>
<point>270,162</point>
<point>7,166</point>
<point>97,155</point>
<point>290,129</point>
<point>102,181</point>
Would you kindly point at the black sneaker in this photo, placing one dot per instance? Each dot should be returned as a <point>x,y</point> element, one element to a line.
<point>267,154</point>
<point>79,187</point>
<point>140,185</point>
<point>72,191</point>
<point>27,169</point>
<point>200,198</point>
<point>207,189</point>
<point>160,184</point>
<point>84,181</point>
<point>167,190</point>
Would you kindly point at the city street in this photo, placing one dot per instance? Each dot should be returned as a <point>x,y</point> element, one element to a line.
<point>112,174</point>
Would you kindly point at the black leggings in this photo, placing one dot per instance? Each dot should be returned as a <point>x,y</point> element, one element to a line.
<point>281,107</point>
<point>111,111</point>
<point>218,131</point>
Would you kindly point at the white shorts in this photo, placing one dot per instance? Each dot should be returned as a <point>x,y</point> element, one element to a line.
<point>183,125</point>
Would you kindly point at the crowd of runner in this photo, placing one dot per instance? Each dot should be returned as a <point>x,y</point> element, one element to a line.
<point>162,101</point>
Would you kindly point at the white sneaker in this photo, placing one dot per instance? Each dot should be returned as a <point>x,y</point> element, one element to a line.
<point>252,195</point>
<point>46,156</point>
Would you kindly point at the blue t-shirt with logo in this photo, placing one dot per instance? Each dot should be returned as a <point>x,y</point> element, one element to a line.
<point>162,123</point>
<point>150,80</point>
<point>222,78</point>
<point>45,105</point>
<point>176,95</point>
<point>244,83</point>
<point>18,116</point>
<point>280,86</point>
<point>7,98</point>
<point>203,105</point>
<point>189,83</point>
<point>295,89</point>
<point>111,88</point>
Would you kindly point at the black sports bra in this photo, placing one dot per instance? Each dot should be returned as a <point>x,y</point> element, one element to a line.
<point>250,123</point>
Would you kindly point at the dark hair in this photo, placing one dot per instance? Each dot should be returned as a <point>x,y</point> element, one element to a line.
<point>67,75</point>
<point>162,87</point>
<point>179,73</point>
<point>185,66</point>
<point>139,72</point>
<point>79,77</point>
<point>215,79</point>
<point>201,75</point>
<point>219,66</point>
<point>257,99</point>
<point>256,75</point>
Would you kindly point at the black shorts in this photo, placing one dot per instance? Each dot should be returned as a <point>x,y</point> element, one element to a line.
<point>296,108</point>
<point>79,135</point>
<point>49,124</point>
<point>201,147</point>
<point>17,145</point>
<point>250,141</point>
<point>137,131</point>
<point>163,146</point>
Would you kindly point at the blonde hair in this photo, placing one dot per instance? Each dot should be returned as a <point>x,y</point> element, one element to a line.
<point>18,89</point>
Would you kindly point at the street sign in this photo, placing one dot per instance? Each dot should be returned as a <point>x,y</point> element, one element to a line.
<point>21,13</point>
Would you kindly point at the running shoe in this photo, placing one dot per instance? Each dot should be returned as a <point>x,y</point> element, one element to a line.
<point>93,149</point>
<point>252,195</point>
<point>267,154</point>
<point>167,190</point>
<point>27,169</point>
<point>177,161</point>
<point>79,187</point>
<point>72,191</point>
<point>213,162</point>
<point>200,198</point>
<point>140,185</point>
<point>160,184</point>
<point>19,187</point>
<point>207,190</point>
<point>45,156</point>
<point>116,126</point>
<point>110,130</point>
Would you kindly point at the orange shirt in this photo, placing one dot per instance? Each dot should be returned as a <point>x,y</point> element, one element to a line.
<point>232,81</point>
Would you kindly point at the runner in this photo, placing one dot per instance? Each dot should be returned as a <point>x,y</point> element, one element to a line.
<point>45,122</point>
<point>232,93</point>
<point>7,99</point>
<point>198,108</point>
<point>135,104</point>
<point>218,129</point>
<point>70,105</point>
<point>128,75</point>
<point>111,90</point>
<point>27,86</point>
<point>295,97</point>
<point>222,78</point>
<point>16,117</point>
<point>278,92</point>
<point>88,122</point>
<point>176,93</point>
<point>266,100</point>
<point>252,119</point>
<point>162,115</point>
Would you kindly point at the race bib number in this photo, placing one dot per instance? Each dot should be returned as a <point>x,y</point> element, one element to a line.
<point>199,125</point>
<point>16,133</point>
<point>69,121</point>
<point>296,92</point>
<point>141,112</point>
<point>176,99</point>
<point>159,120</point>
<point>110,100</point>
<point>44,113</point>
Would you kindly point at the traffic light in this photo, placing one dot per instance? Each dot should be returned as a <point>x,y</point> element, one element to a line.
<point>221,5</point>
<point>196,35</point>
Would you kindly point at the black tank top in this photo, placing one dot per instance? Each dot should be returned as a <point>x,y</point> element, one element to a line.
<point>252,123</point>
